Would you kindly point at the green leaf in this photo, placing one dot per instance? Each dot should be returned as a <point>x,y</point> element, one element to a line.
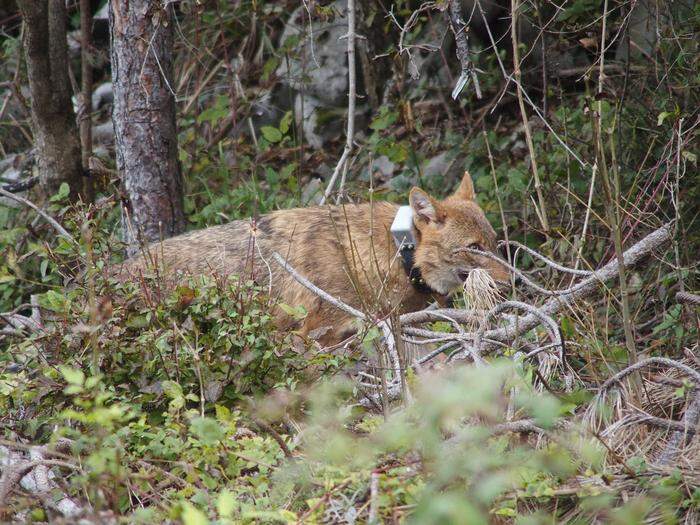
<point>217,112</point>
<point>385,119</point>
<point>271,134</point>
<point>92,381</point>
<point>208,430</point>
<point>662,116</point>
<point>272,176</point>
<point>54,301</point>
<point>223,414</point>
<point>191,515</point>
<point>63,192</point>
<point>285,122</point>
<point>297,312</point>
<point>43,267</point>
<point>73,376</point>
<point>225,504</point>
<point>139,321</point>
<point>172,389</point>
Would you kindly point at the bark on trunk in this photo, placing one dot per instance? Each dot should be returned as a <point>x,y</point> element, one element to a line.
<point>85,111</point>
<point>141,34</point>
<point>53,120</point>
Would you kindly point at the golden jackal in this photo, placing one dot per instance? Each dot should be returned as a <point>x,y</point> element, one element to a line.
<point>346,250</point>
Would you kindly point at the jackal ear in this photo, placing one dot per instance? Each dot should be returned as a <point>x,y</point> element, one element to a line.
<point>423,206</point>
<point>466,188</point>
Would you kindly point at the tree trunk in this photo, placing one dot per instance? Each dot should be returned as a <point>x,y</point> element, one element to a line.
<point>53,120</point>
<point>141,34</point>
<point>85,112</point>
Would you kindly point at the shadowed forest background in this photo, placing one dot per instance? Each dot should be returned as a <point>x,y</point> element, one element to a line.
<point>125,122</point>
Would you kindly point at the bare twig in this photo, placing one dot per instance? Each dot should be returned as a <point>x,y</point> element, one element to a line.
<point>56,226</point>
<point>33,475</point>
<point>526,280</point>
<point>342,165</point>
<point>612,193</point>
<point>373,498</point>
<point>661,361</point>
<point>315,289</point>
<point>461,32</point>
<point>547,261</point>
<point>266,427</point>
<point>542,211</point>
<point>634,254</point>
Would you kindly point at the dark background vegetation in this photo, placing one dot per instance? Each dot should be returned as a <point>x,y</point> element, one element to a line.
<point>176,409</point>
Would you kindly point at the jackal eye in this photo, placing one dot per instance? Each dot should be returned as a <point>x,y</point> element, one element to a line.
<point>476,246</point>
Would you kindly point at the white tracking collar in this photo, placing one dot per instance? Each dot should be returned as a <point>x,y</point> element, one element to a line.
<point>402,228</point>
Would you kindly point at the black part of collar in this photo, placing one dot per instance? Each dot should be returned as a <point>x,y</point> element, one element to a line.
<point>407,258</point>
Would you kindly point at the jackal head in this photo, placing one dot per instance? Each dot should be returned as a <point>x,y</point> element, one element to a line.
<point>444,229</point>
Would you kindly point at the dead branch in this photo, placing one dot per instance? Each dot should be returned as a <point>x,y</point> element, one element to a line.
<point>547,261</point>
<point>22,185</point>
<point>34,475</point>
<point>315,289</point>
<point>588,286</point>
<point>661,361</point>
<point>342,165</point>
<point>683,436</point>
<point>383,325</point>
<point>658,422</point>
<point>461,32</point>
<point>525,279</point>
<point>56,226</point>
<point>688,298</point>
<point>424,316</point>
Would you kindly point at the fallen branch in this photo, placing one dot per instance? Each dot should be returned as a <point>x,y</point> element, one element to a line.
<point>680,438</point>
<point>22,185</point>
<point>663,361</point>
<point>658,422</point>
<point>34,475</point>
<point>688,298</point>
<point>588,286</point>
